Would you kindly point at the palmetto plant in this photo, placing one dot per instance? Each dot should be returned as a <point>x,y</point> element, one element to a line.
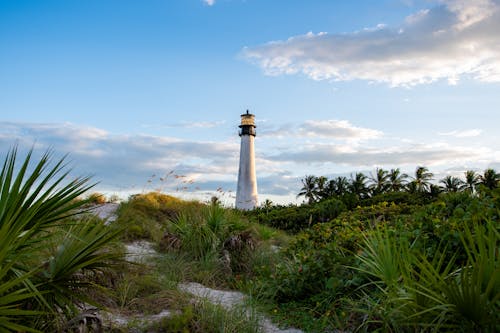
<point>45,254</point>
<point>419,292</point>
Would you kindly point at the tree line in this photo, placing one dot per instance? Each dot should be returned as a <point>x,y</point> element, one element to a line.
<point>315,189</point>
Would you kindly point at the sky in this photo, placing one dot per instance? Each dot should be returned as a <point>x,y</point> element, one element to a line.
<point>147,95</point>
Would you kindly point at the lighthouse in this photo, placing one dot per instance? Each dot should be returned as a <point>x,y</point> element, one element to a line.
<point>246,193</point>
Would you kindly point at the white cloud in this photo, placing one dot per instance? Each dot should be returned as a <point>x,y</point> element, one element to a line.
<point>415,154</point>
<point>340,129</point>
<point>469,12</point>
<point>185,124</point>
<point>204,124</point>
<point>330,128</point>
<point>463,134</point>
<point>209,2</point>
<point>127,161</point>
<point>458,38</point>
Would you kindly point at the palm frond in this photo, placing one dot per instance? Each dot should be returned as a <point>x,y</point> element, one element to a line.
<point>36,201</point>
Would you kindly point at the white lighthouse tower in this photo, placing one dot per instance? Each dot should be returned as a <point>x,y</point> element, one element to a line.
<point>246,193</point>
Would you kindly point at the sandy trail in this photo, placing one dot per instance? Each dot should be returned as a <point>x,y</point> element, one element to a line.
<point>228,300</point>
<point>143,251</point>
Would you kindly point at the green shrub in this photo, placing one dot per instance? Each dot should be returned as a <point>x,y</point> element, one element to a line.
<point>296,218</point>
<point>362,269</point>
<point>418,292</point>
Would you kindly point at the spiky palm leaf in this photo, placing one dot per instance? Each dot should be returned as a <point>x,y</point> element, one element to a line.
<point>80,253</point>
<point>36,203</point>
<point>13,290</point>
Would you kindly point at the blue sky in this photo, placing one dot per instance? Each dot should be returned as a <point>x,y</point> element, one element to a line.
<point>133,89</point>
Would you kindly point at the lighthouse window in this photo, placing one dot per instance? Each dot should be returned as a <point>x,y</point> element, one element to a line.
<point>247,121</point>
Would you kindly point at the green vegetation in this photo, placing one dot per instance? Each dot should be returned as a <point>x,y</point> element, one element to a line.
<point>383,252</point>
<point>49,259</point>
<point>204,317</point>
<point>57,261</point>
<point>416,261</point>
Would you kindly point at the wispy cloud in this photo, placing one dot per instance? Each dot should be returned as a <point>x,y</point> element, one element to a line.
<point>187,124</point>
<point>340,129</point>
<point>125,160</point>
<point>417,154</point>
<point>457,38</point>
<point>330,128</point>
<point>128,162</point>
<point>209,2</point>
<point>463,134</point>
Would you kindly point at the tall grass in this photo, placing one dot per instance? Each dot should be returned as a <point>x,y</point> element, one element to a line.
<point>202,232</point>
<point>203,316</point>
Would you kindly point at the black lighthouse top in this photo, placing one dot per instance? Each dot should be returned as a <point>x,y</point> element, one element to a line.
<point>247,124</point>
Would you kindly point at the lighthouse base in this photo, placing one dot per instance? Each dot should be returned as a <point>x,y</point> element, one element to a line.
<point>246,193</point>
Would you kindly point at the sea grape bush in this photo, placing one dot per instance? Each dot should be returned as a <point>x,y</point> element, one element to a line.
<point>296,218</point>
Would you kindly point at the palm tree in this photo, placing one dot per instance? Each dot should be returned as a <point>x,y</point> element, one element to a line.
<point>451,184</point>
<point>434,191</point>
<point>308,189</point>
<point>422,179</point>
<point>411,187</point>
<point>341,186</point>
<point>397,180</point>
<point>267,204</point>
<point>321,188</point>
<point>490,178</point>
<point>329,190</point>
<point>471,181</point>
<point>380,182</point>
<point>358,185</point>
<point>46,259</point>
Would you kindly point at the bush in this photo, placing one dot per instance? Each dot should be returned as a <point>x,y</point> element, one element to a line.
<point>418,292</point>
<point>296,218</point>
<point>357,267</point>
